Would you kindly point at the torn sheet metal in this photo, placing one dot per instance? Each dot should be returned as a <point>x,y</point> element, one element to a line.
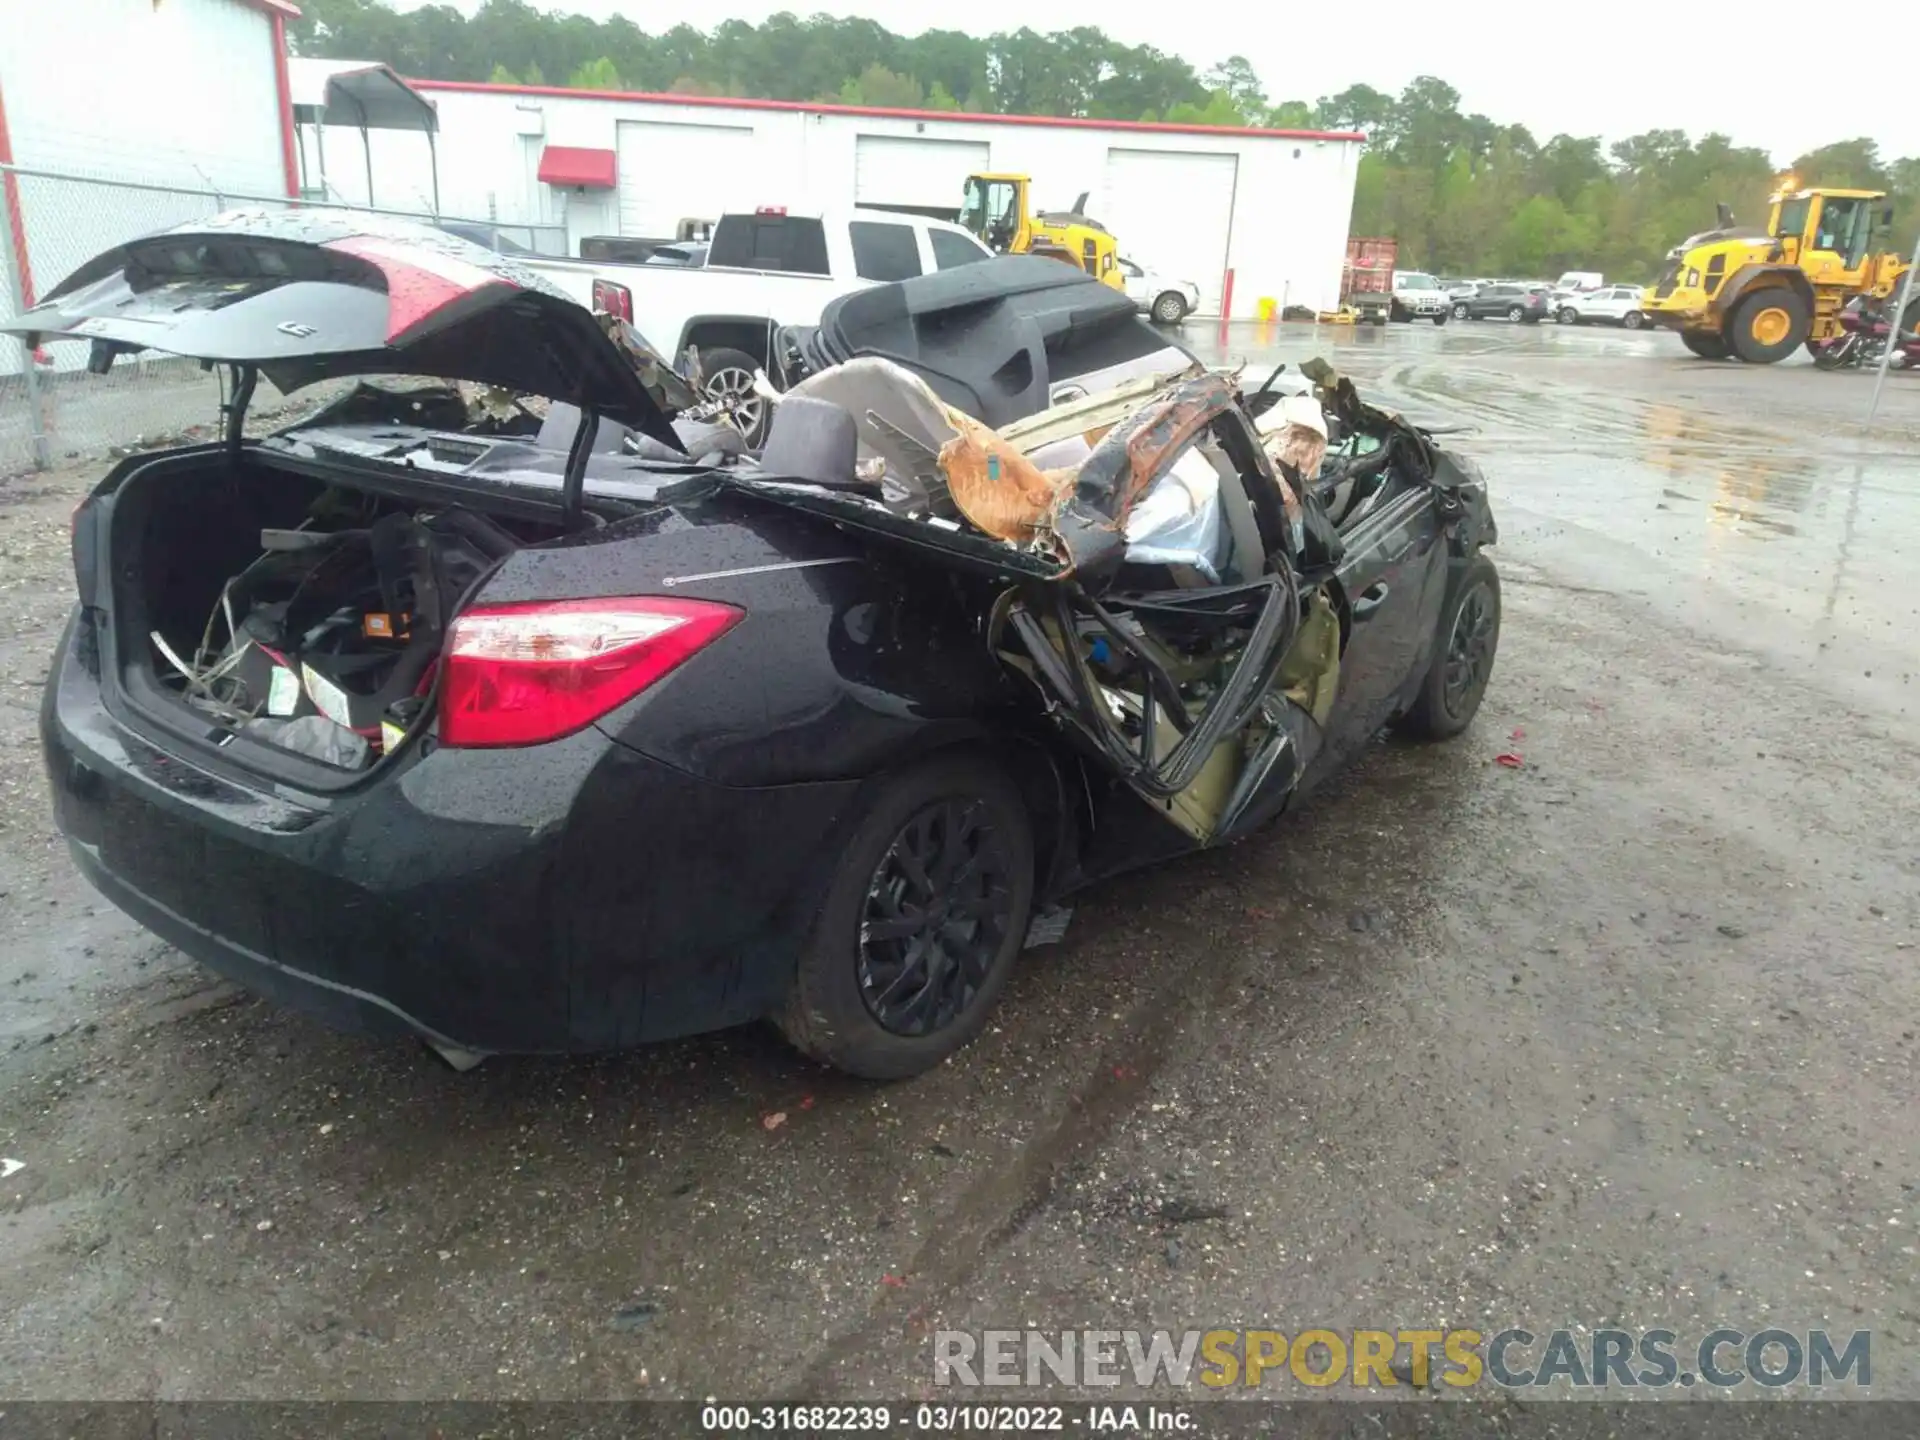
<point>1091,521</point>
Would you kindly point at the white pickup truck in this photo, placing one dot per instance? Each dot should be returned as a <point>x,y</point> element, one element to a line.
<point>764,270</point>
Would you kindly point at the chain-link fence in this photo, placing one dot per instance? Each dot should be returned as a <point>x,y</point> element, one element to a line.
<point>51,223</point>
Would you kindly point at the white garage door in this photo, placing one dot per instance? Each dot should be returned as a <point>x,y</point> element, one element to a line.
<point>1171,210</point>
<point>670,173</point>
<point>907,170</point>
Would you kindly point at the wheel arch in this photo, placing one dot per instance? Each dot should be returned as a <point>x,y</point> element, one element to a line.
<point>749,334</point>
<point>1047,774</point>
<point>1752,279</point>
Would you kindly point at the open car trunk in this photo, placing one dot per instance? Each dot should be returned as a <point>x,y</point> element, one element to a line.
<point>291,622</point>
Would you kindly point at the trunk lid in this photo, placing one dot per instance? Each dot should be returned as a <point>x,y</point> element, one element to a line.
<point>308,295</point>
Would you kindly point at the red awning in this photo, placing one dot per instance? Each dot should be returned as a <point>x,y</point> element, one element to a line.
<point>574,165</point>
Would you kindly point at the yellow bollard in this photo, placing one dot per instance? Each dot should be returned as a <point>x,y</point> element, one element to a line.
<point>1267,308</point>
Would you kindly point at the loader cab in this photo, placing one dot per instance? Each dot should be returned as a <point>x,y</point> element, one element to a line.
<point>1827,233</point>
<point>994,208</point>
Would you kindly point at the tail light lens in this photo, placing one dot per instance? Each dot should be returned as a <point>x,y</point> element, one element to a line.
<point>528,673</point>
<point>613,299</point>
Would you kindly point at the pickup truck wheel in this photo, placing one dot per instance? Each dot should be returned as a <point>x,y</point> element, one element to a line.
<point>1443,317</point>
<point>730,377</point>
<point>1170,308</point>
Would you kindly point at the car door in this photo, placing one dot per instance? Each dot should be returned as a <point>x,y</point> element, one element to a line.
<point>1493,300</point>
<point>1394,574</point>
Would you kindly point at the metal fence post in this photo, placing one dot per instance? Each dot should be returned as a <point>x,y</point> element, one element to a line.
<point>30,379</point>
<point>1893,340</point>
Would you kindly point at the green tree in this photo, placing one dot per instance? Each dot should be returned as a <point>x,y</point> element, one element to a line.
<point>879,86</point>
<point>1219,109</point>
<point>1235,75</point>
<point>1461,192</point>
<point>596,74</point>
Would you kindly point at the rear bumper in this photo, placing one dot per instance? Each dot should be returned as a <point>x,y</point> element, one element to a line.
<point>336,1004</point>
<point>565,897</point>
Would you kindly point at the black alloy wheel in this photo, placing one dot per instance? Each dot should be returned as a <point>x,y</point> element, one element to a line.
<point>1469,660</point>
<point>937,913</point>
<point>924,913</point>
<point>1463,656</point>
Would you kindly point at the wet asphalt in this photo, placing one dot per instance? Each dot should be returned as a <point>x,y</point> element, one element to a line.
<point>1623,1036</point>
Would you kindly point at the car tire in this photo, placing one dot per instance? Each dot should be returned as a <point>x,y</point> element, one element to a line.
<point>1634,320</point>
<point>1516,314</point>
<point>1568,315</point>
<point>1169,307</point>
<point>1396,313</point>
<point>953,814</point>
<point>1442,317</point>
<point>1460,312</point>
<point>1769,326</point>
<point>1463,654</point>
<point>729,373</point>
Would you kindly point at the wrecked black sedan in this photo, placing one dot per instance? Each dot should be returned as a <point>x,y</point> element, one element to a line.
<point>507,702</point>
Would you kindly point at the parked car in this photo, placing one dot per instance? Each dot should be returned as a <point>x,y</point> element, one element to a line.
<point>764,269</point>
<point>1418,296</point>
<point>676,743</point>
<point>1511,301</point>
<point>1166,300</point>
<point>1458,290</point>
<point>1614,305</point>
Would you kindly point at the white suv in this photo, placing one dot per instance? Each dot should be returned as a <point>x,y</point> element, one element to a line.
<point>1612,304</point>
<point>1418,296</point>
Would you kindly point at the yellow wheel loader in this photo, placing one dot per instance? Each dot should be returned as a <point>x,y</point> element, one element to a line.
<point>1761,295</point>
<point>994,207</point>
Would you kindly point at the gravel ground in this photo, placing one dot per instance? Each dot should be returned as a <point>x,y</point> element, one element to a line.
<point>1622,1037</point>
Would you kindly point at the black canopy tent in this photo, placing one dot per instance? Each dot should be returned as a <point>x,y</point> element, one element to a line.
<point>361,96</point>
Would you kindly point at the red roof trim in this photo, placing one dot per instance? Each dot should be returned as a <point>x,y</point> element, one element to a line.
<point>283,92</point>
<point>286,9</point>
<point>725,102</point>
<point>10,202</point>
<point>578,165</point>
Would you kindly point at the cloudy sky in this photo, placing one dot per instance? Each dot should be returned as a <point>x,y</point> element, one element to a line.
<point>1512,60</point>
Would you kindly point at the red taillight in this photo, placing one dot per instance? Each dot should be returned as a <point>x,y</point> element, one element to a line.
<point>771,210</point>
<point>612,299</point>
<point>528,673</point>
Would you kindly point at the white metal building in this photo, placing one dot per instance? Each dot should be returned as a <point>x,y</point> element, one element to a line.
<point>155,93</point>
<point>1260,212</point>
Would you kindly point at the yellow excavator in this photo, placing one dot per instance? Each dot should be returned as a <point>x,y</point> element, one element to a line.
<point>994,207</point>
<point>1761,295</point>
